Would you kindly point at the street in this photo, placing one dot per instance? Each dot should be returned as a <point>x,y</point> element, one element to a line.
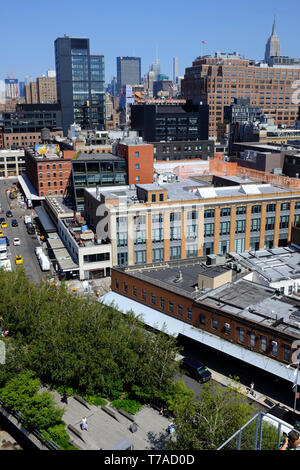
<point>28,242</point>
<point>277,389</point>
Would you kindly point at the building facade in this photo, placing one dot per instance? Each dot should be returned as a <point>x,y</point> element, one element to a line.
<point>80,84</point>
<point>218,80</point>
<point>172,121</point>
<point>272,46</point>
<point>128,71</point>
<point>184,219</point>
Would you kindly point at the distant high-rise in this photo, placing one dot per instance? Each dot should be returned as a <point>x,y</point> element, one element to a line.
<point>175,70</point>
<point>128,71</point>
<point>155,68</point>
<point>273,45</point>
<point>80,84</point>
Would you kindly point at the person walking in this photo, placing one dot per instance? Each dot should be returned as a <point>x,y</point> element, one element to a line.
<point>252,389</point>
<point>84,424</point>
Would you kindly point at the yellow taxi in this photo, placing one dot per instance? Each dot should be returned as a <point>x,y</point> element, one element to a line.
<point>18,259</point>
<point>1,233</point>
<point>3,224</point>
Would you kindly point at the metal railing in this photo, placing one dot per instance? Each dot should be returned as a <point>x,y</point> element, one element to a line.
<point>251,435</point>
<point>49,443</point>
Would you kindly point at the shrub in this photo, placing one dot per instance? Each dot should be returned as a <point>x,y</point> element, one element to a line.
<point>96,400</point>
<point>131,406</point>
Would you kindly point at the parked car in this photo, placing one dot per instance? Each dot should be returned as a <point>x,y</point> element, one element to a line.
<point>196,369</point>
<point>30,229</point>
<point>17,242</point>
<point>14,223</point>
<point>4,224</point>
<point>9,213</point>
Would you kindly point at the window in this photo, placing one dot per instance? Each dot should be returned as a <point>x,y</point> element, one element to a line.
<point>137,179</point>
<point>252,340</point>
<point>241,210</point>
<point>271,207</point>
<point>270,223</point>
<point>214,323</point>
<point>263,343</point>
<point>225,212</point>
<point>285,206</point>
<point>202,319</point>
<point>240,226</point>
<point>134,291</point>
<point>137,166</point>
<point>153,198</point>
<point>190,313</point>
<point>274,348</point>
<point>225,228</point>
<point>162,302</point>
<point>284,221</point>
<point>256,209</point>
<point>241,335</point>
<point>157,218</point>
<point>286,352</point>
<point>255,225</point>
<point>137,154</point>
<point>161,197</point>
<point>209,230</point>
<point>180,309</point>
<point>153,298</point>
<point>209,213</point>
<point>143,294</point>
<point>171,307</point>
<point>117,283</point>
<point>125,287</point>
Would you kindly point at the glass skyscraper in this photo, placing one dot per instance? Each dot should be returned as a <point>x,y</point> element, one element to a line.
<point>80,84</point>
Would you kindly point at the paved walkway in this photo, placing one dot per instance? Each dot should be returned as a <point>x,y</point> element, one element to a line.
<point>105,432</point>
<point>260,398</point>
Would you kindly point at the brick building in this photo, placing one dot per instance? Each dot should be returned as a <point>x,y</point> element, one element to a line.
<point>50,174</point>
<point>243,319</point>
<point>218,80</point>
<point>139,157</point>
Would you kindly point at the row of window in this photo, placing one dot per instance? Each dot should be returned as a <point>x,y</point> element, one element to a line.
<point>170,307</point>
<point>50,183</point>
<point>256,209</point>
<point>41,167</point>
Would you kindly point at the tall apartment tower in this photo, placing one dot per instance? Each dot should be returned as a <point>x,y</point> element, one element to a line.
<point>273,45</point>
<point>175,70</point>
<point>80,84</point>
<point>46,89</point>
<point>128,71</point>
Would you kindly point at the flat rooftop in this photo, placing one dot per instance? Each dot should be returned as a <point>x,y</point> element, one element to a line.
<point>243,298</point>
<point>97,157</point>
<point>276,264</point>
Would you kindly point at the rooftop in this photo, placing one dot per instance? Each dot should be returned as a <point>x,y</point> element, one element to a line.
<point>244,298</point>
<point>97,157</point>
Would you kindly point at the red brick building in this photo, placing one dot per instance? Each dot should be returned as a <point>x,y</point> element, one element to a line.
<point>140,161</point>
<point>49,174</point>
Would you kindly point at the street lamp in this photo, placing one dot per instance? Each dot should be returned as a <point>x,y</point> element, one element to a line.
<point>295,384</point>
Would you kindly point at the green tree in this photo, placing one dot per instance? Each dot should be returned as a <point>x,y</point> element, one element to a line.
<point>206,424</point>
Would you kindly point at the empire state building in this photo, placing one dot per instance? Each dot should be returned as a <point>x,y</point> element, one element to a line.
<point>273,45</point>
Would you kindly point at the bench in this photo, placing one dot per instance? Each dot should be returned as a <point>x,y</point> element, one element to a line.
<point>82,401</point>
<point>127,415</point>
<point>109,412</point>
<point>75,431</point>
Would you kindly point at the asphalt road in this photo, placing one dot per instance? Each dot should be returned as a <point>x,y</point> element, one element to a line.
<point>28,242</point>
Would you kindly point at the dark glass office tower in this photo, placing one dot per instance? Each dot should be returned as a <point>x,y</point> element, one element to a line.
<point>128,71</point>
<point>80,84</point>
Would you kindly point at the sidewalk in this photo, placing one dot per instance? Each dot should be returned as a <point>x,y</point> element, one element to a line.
<point>260,398</point>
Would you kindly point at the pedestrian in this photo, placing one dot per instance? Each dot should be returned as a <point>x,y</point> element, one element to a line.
<point>65,398</point>
<point>84,424</point>
<point>252,388</point>
<point>291,441</point>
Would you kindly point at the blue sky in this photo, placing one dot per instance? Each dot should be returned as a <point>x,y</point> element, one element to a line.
<point>136,27</point>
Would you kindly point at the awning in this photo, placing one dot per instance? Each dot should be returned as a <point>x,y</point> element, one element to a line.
<point>45,220</point>
<point>28,188</point>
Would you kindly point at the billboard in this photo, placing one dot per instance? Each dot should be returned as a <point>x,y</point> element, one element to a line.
<point>47,149</point>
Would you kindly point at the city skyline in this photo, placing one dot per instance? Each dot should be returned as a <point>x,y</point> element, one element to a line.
<point>163,33</point>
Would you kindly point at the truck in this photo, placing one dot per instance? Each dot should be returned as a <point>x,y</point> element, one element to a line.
<point>27,219</point>
<point>44,262</point>
<point>3,248</point>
